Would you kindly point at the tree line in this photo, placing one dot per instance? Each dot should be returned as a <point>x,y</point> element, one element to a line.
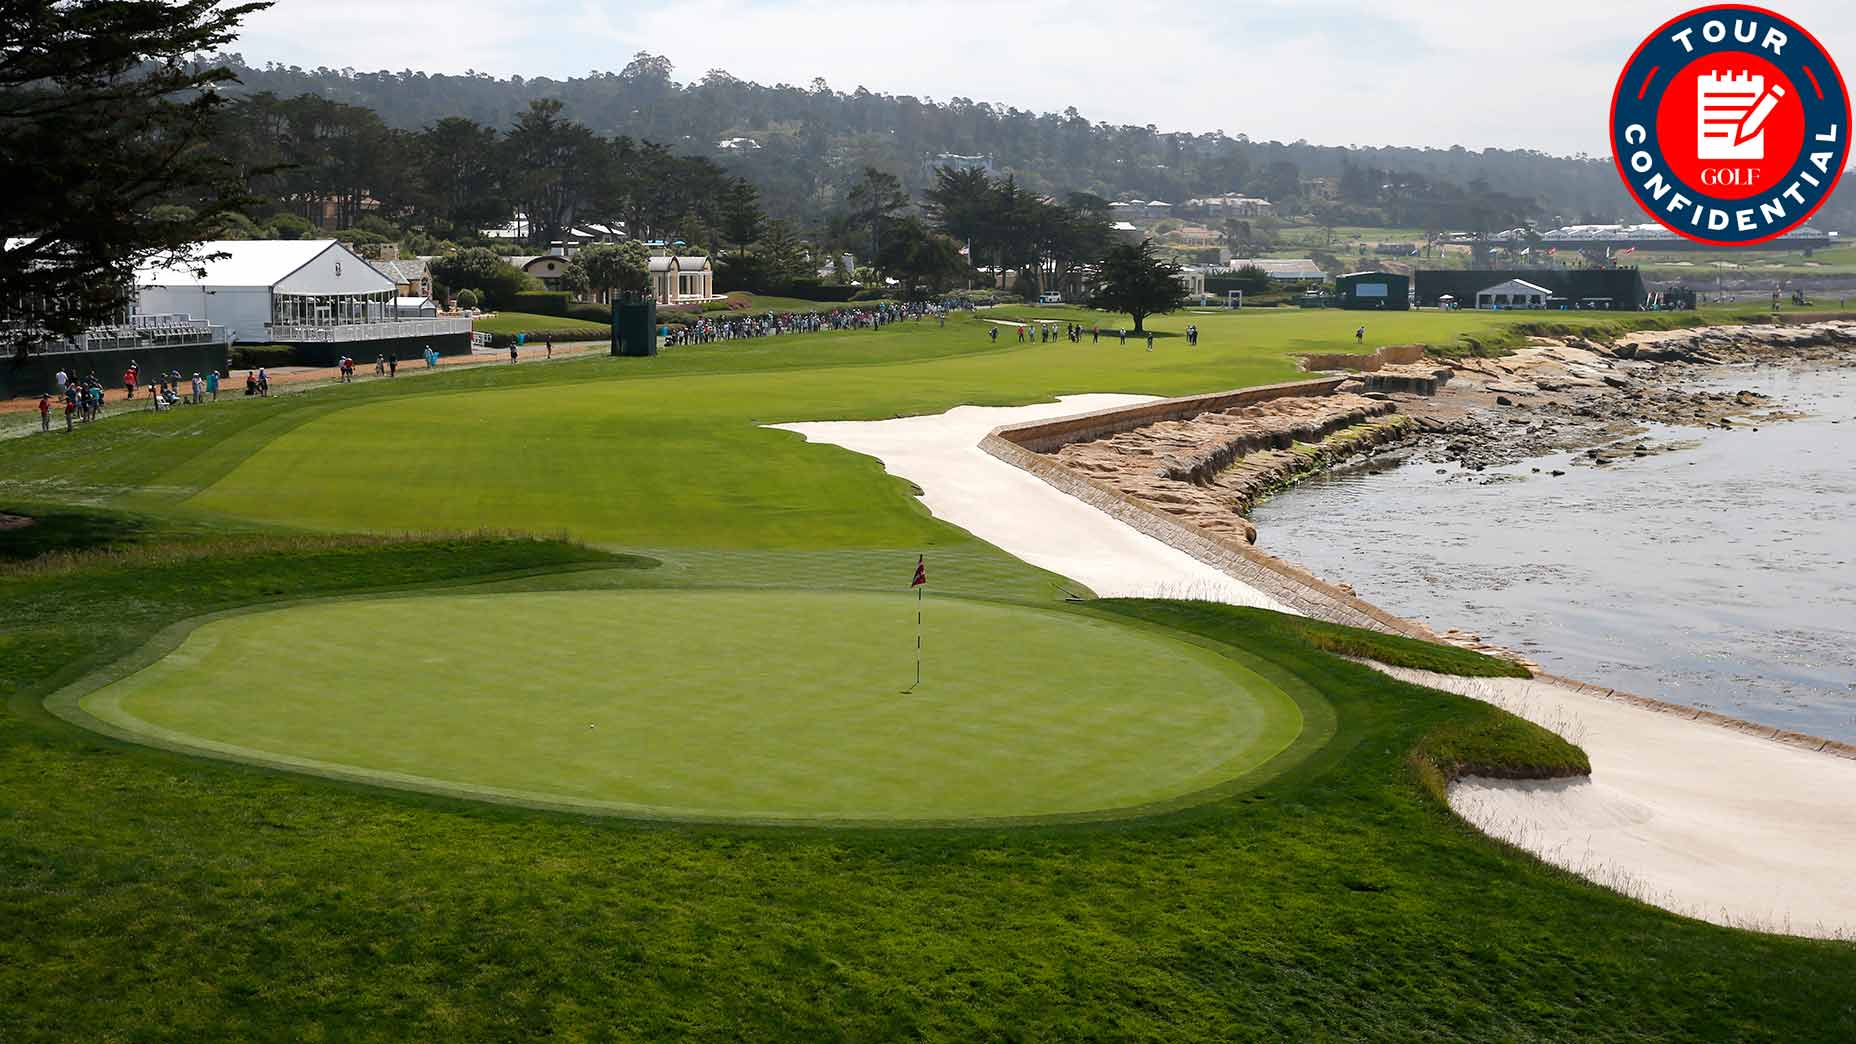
<point>332,164</point>
<point>815,141</point>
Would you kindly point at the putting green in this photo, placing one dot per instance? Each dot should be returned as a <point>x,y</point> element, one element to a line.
<point>723,704</point>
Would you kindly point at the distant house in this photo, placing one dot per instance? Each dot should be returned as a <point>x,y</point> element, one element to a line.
<point>738,145</point>
<point>515,229</point>
<point>410,275</point>
<point>1194,236</point>
<point>1140,209</point>
<point>594,232</point>
<point>549,267</point>
<point>682,280</point>
<point>956,161</point>
<point>1232,206</point>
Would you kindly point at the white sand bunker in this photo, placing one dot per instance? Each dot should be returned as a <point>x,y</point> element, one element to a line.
<point>1007,508</point>
<point>1692,817</point>
<point>1689,816</point>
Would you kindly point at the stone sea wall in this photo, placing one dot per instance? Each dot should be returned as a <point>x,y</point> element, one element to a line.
<point>1046,436</point>
<point>1027,447</point>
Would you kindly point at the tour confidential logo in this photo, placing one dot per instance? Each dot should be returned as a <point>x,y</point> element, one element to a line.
<point>1730,125</point>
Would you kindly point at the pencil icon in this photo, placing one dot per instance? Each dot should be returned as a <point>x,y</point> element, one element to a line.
<point>1756,119</point>
<point>1731,112</point>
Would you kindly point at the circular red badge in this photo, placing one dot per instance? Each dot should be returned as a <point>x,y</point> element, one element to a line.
<point>1730,125</point>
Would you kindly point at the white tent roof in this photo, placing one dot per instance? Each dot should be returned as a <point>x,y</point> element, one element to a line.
<point>259,263</point>
<point>1514,286</point>
<point>1280,268</point>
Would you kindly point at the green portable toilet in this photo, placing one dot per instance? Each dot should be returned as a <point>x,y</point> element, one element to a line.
<point>634,325</point>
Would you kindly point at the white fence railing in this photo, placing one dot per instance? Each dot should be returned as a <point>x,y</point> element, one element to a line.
<point>380,331</point>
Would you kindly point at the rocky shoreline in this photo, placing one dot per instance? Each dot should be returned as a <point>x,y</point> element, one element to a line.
<point>1210,468</point>
<point>1602,400</point>
<point>1554,396</point>
<point>1599,402</point>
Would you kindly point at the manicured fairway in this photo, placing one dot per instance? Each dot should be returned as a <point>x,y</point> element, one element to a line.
<point>720,704</point>
<point>682,459</point>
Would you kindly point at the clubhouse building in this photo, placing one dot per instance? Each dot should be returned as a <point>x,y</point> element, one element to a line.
<point>682,280</point>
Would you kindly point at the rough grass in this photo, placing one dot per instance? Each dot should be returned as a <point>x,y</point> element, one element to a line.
<point>1399,651</point>
<point>1337,900</point>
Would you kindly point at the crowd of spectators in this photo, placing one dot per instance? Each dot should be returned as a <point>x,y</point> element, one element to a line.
<point>710,328</point>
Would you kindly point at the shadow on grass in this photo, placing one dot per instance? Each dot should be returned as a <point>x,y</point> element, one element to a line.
<point>64,529</point>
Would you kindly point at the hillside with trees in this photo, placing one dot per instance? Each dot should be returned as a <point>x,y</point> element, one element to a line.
<point>803,147</point>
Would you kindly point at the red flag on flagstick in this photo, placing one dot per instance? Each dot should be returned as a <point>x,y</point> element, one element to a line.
<point>921,571</point>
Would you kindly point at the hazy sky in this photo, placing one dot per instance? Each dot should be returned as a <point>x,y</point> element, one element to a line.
<point>1406,72</point>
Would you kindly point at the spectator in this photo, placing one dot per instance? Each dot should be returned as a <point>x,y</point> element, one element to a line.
<point>45,412</point>
<point>212,384</point>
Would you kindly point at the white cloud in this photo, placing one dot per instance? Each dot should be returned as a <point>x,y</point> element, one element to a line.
<point>1421,72</point>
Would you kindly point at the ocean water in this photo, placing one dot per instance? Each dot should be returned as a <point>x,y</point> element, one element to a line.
<point>1721,576</point>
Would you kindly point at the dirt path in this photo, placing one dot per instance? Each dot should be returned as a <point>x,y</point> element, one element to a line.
<point>287,379</point>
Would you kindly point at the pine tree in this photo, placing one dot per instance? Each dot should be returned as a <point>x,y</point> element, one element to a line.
<point>104,117</point>
<point>1132,280</point>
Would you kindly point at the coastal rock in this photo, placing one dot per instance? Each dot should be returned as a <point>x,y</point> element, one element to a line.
<point>1209,469</point>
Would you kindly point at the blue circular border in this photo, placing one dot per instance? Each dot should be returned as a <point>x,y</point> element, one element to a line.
<point>1660,52</point>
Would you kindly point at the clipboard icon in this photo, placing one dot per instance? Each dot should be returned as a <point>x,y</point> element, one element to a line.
<point>1730,112</point>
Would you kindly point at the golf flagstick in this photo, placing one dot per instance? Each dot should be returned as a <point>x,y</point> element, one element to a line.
<point>920,581</point>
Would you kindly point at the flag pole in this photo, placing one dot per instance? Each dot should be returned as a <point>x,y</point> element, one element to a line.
<point>920,581</point>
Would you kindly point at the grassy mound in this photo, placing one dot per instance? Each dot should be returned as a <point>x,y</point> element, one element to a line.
<point>561,328</point>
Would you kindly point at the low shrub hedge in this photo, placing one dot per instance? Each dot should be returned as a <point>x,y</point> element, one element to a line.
<point>805,290</point>
<point>539,302</point>
<point>537,338</point>
<point>592,313</point>
<point>252,356</point>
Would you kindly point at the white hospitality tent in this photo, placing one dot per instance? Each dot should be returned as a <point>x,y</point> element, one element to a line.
<point>1515,293</point>
<point>254,285</point>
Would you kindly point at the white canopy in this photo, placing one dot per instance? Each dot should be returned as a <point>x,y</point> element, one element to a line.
<point>293,266</point>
